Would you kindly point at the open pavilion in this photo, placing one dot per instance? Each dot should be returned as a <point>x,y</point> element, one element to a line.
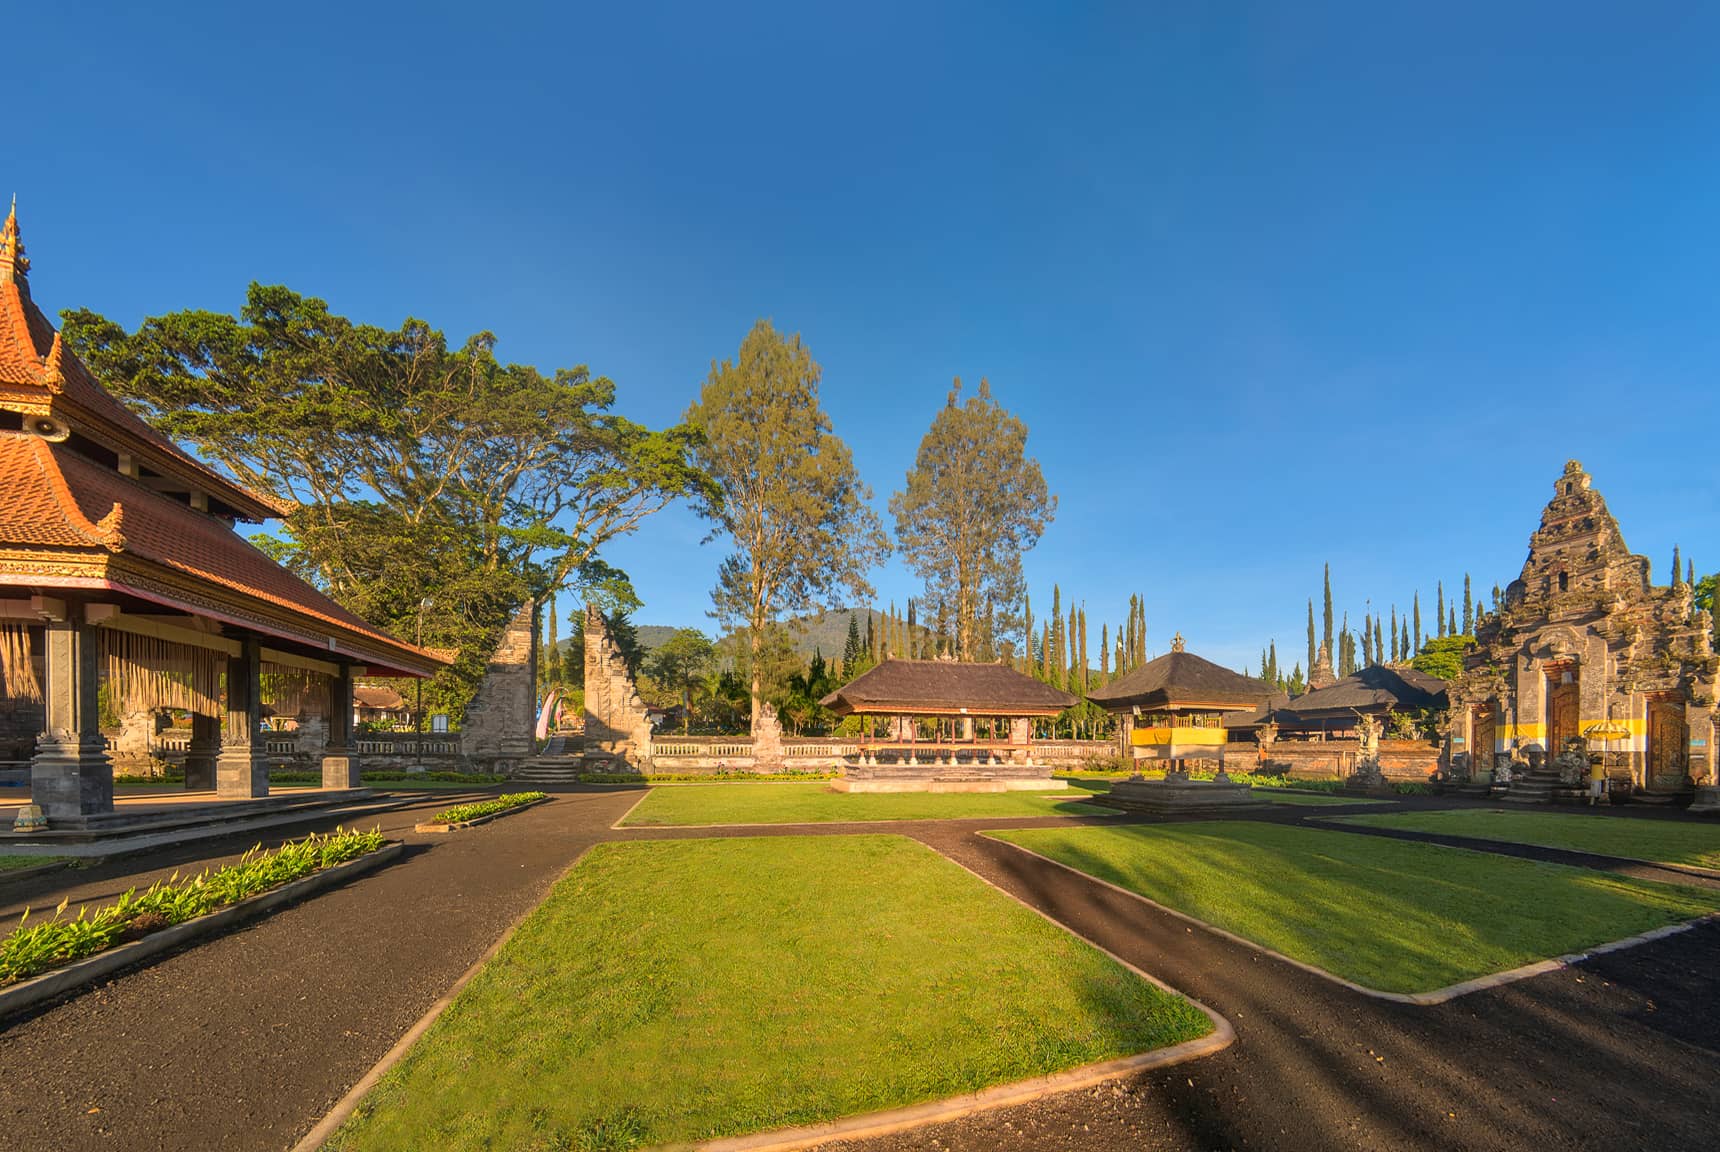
<point>1173,708</point>
<point>123,582</point>
<point>981,719</point>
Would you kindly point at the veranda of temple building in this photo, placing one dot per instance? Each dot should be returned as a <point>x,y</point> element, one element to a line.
<point>1173,708</point>
<point>1587,657</point>
<point>126,591</point>
<point>946,725</point>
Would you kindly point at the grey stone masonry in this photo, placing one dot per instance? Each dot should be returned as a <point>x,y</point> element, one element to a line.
<point>496,733</point>
<point>241,771</point>
<point>339,759</point>
<point>70,774</point>
<point>200,754</point>
<point>615,722</point>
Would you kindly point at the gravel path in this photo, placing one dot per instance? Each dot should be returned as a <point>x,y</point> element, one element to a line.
<point>245,1041</point>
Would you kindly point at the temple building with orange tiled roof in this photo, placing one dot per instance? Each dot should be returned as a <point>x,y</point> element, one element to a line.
<point>120,569</point>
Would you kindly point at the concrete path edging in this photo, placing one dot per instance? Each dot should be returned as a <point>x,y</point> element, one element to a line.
<point>1433,996</point>
<point>893,1120</point>
<point>52,984</point>
<point>346,1105</point>
<point>432,827</point>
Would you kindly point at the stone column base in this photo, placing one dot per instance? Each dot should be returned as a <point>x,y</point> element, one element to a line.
<point>71,779</point>
<point>1707,799</point>
<point>241,773</point>
<point>339,770</point>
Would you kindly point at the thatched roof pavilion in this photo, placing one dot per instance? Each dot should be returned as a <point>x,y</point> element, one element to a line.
<point>1181,700</point>
<point>946,688</point>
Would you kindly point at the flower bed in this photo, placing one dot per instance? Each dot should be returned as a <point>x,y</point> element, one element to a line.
<point>31,949</point>
<point>461,813</point>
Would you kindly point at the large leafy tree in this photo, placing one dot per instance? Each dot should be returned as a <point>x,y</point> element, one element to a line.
<point>789,499</point>
<point>681,663</point>
<point>974,502</point>
<point>417,471</point>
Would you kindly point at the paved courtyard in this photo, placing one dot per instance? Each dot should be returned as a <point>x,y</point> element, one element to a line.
<point>1618,1051</point>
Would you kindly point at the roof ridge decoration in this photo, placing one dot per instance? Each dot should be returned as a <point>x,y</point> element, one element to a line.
<point>13,262</point>
<point>111,528</point>
<point>54,371</point>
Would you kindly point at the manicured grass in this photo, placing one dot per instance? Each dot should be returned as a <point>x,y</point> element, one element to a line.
<point>1387,914</point>
<point>15,863</point>
<point>684,990</point>
<point>685,804</point>
<point>1276,795</point>
<point>1660,840</point>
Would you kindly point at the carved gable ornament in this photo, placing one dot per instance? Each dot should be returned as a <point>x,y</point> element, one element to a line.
<point>1561,643</point>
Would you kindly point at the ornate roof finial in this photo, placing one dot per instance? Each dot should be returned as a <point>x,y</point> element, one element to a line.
<point>112,528</point>
<point>1177,644</point>
<point>13,262</point>
<point>54,371</point>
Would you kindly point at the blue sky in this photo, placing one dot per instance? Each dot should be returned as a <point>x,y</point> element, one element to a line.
<point>1272,285</point>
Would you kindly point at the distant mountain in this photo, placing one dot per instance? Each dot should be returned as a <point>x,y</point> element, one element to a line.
<point>653,635</point>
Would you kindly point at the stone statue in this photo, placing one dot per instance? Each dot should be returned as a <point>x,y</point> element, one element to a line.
<point>1367,774</point>
<point>1572,764</point>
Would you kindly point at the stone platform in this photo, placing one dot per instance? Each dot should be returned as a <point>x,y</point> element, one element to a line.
<point>151,820</point>
<point>947,778</point>
<point>1175,794</point>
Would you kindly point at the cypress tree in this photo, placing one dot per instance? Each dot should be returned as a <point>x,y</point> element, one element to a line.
<point>1417,647</point>
<point>1439,609</point>
<point>1395,656</point>
<point>1677,567</point>
<point>1367,639</point>
<point>1027,631</point>
<point>1311,644</point>
<point>1272,651</point>
<point>1407,652</point>
<point>1451,625</point>
<point>1690,573</point>
<point>1104,654</point>
<point>1084,684</point>
<point>1045,653</point>
<point>1468,608</point>
<point>1346,649</point>
<point>1379,643</point>
<point>1326,630</point>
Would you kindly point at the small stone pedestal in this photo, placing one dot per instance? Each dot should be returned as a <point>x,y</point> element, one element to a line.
<point>1707,799</point>
<point>1178,794</point>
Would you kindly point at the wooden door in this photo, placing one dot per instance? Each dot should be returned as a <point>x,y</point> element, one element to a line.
<point>1483,723</point>
<point>1666,745</point>
<point>1562,712</point>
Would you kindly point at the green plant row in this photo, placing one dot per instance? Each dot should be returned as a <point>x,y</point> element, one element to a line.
<point>698,777</point>
<point>31,949</point>
<point>463,812</point>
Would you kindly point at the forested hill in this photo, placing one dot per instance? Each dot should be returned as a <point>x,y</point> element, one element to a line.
<point>827,631</point>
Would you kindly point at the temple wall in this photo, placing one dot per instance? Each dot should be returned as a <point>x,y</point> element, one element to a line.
<point>1406,760</point>
<point>496,733</point>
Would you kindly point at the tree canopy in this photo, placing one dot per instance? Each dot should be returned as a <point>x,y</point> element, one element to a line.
<point>788,497</point>
<point>420,471</point>
<point>973,503</point>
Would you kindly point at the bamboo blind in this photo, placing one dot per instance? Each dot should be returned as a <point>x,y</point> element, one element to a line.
<point>144,673</point>
<point>294,691</point>
<point>17,663</point>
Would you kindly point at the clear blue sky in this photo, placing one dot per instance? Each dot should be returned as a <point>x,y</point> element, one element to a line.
<point>1272,284</point>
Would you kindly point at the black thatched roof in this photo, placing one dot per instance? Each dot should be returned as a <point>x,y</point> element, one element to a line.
<point>1375,689</point>
<point>1182,678</point>
<point>933,687</point>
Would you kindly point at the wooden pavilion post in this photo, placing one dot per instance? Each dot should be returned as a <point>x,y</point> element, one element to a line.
<point>241,770</point>
<point>70,774</point>
<point>340,761</point>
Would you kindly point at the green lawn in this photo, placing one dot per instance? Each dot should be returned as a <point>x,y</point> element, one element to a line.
<point>14,863</point>
<point>1387,914</point>
<point>1658,840</point>
<point>815,803</point>
<point>685,990</point>
<point>1276,795</point>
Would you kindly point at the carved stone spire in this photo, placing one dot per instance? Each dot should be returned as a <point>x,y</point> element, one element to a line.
<point>14,265</point>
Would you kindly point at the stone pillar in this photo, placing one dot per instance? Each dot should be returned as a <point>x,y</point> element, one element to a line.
<point>201,751</point>
<point>967,729</point>
<point>1021,735</point>
<point>1125,735</point>
<point>340,759</point>
<point>241,771</point>
<point>70,774</point>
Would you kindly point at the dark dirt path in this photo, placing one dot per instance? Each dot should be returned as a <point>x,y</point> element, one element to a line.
<point>246,1040</point>
<point>1619,1053</point>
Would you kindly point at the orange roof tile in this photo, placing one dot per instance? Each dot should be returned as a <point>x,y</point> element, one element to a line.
<point>50,496</point>
<point>32,355</point>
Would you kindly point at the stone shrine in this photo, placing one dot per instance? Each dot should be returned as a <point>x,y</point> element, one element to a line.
<point>1585,650</point>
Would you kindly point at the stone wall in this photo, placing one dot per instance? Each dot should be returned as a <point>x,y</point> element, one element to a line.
<point>616,727</point>
<point>1408,760</point>
<point>496,733</point>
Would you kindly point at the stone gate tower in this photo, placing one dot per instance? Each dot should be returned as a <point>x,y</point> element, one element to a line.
<point>1584,647</point>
